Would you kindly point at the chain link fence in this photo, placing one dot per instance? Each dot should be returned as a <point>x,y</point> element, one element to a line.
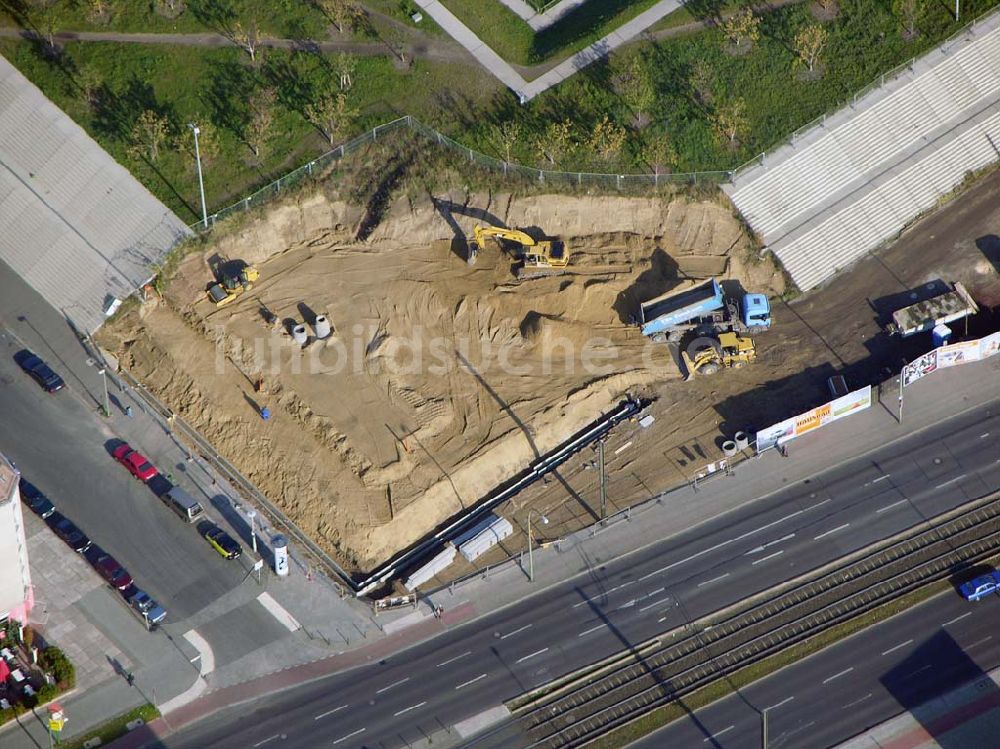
<point>571,179</point>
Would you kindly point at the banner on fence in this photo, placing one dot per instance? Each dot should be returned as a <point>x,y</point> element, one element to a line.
<point>814,418</point>
<point>951,356</point>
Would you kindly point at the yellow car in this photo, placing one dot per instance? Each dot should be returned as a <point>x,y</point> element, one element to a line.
<point>222,542</point>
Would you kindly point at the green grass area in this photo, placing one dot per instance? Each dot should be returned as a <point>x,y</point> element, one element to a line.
<point>514,40</point>
<point>715,691</point>
<point>114,728</point>
<point>212,86</point>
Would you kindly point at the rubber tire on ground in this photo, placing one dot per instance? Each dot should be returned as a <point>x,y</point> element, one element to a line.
<point>738,364</point>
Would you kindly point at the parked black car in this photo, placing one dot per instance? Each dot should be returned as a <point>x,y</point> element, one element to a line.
<point>37,501</point>
<point>73,536</point>
<point>39,370</point>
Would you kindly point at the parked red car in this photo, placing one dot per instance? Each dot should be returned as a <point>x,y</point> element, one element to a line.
<point>108,568</point>
<point>137,463</point>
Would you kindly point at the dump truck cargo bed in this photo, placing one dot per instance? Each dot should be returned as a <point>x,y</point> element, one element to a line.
<point>677,307</point>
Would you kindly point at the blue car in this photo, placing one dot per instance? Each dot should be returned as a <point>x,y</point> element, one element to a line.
<point>39,371</point>
<point>981,586</point>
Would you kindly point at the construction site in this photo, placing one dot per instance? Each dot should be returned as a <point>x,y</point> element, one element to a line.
<point>374,388</point>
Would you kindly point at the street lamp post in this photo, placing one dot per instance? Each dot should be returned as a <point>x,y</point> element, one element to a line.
<point>252,514</point>
<point>201,184</point>
<point>104,378</point>
<point>531,563</point>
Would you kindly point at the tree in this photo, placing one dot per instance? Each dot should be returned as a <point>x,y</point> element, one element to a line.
<point>331,114</point>
<point>148,133</point>
<point>99,11</point>
<point>507,135</point>
<point>344,14</point>
<point>344,66</point>
<point>261,121</point>
<point>45,19</point>
<point>208,139</point>
<point>635,87</point>
<point>809,44</point>
<point>170,8</point>
<point>702,80</point>
<point>660,154</point>
<point>555,142</point>
<point>907,11</point>
<point>730,122</point>
<point>249,38</point>
<point>742,29</point>
<point>607,139</point>
<point>90,81</point>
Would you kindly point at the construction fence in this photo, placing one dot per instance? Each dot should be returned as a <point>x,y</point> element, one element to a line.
<point>317,166</point>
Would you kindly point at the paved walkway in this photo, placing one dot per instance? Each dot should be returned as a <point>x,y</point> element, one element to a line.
<point>527,90</point>
<point>538,21</point>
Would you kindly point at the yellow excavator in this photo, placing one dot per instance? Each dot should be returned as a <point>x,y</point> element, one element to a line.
<point>232,285</point>
<point>537,257</point>
<point>706,355</point>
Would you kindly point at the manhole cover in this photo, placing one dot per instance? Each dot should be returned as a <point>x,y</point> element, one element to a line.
<point>937,461</point>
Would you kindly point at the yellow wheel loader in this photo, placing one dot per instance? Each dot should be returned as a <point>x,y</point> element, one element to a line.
<point>232,285</point>
<point>706,355</point>
<point>536,257</point>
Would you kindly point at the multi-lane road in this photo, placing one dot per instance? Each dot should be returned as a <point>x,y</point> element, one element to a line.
<point>423,691</point>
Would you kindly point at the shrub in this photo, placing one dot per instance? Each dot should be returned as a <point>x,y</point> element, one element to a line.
<point>54,660</point>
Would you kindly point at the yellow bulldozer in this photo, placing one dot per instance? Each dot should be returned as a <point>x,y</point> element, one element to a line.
<point>706,355</point>
<point>232,285</point>
<point>536,257</point>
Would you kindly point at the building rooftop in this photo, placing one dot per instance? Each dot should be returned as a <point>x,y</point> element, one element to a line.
<point>8,480</point>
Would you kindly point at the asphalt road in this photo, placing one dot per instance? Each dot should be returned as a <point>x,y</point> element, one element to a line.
<point>420,692</point>
<point>60,445</point>
<point>844,690</point>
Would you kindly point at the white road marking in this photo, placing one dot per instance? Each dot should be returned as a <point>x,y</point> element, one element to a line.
<point>717,734</point>
<point>951,481</point>
<point>205,667</point>
<point>278,612</point>
<point>832,530</point>
<point>818,504</point>
<point>394,684</point>
<point>330,712</point>
<point>837,676</point>
<point>345,738</point>
<point>652,593</point>
<point>980,642</point>
<point>897,647</point>
<point>407,709</point>
<point>984,435</point>
<point>779,704</point>
<point>516,631</point>
<point>880,478</point>
<point>718,546</point>
<point>261,743</point>
<point>626,605</point>
<point>858,702</point>
<point>914,673</point>
<point>452,660</point>
<point>532,655</point>
<point>658,603</point>
<point>471,681</point>
<point>889,507</point>
<point>608,592</point>
<point>592,629</point>
<point>714,580</point>
<point>760,548</point>
<point>770,556</point>
<point>957,619</point>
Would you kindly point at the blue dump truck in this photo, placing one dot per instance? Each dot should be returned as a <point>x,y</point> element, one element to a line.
<point>703,309</point>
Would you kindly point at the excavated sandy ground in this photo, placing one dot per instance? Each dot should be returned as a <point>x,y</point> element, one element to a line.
<point>441,379</point>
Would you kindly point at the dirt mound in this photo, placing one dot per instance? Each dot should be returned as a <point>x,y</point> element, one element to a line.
<point>441,379</point>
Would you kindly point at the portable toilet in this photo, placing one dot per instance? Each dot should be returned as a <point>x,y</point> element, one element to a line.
<point>941,335</point>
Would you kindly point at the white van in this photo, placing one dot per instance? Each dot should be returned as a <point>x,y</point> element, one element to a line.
<point>183,504</point>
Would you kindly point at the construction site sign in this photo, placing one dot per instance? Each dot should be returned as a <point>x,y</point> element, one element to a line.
<point>951,355</point>
<point>814,418</point>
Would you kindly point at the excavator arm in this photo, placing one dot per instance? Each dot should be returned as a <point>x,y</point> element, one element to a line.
<point>481,233</point>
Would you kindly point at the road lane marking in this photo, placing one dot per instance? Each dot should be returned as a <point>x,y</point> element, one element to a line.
<point>261,743</point>
<point>880,478</point>
<point>770,556</point>
<point>592,629</point>
<point>452,660</point>
<point>818,504</point>
<point>532,655</point>
<point>714,580</point>
<point>330,712</point>
<point>717,734</point>
<point>626,605</point>
<point>652,593</point>
<point>779,704</point>
<point>394,684</point>
<point>832,530</point>
<point>718,546</point>
<point>914,673</point>
<point>769,543</point>
<point>957,619</point>
<point>952,481</point>
<point>889,507</point>
<point>657,603</point>
<point>858,702</point>
<point>407,709</point>
<point>471,681</point>
<point>984,435</point>
<point>608,592</point>
<point>980,642</point>
<point>511,634</point>
<point>837,676</point>
<point>345,738</point>
<point>897,647</point>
